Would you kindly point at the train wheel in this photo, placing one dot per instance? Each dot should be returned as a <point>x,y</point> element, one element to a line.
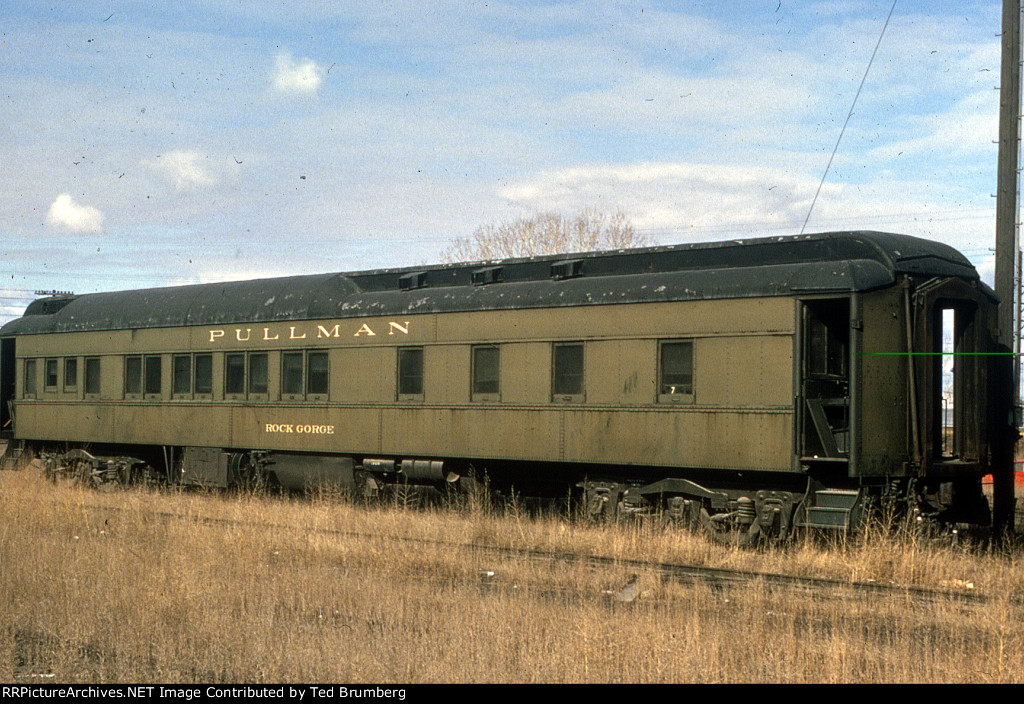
<point>80,472</point>
<point>727,529</point>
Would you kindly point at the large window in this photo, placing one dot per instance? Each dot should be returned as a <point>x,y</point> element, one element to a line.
<point>410,373</point>
<point>303,375</point>
<point>485,375</point>
<point>567,372</point>
<point>192,375</point>
<point>675,370</point>
<point>246,375</point>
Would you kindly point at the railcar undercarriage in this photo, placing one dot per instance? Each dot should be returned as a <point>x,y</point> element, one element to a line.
<point>742,515</point>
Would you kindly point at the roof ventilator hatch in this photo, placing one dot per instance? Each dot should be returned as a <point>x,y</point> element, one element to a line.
<point>567,269</point>
<point>408,282</point>
<point>487,275</point>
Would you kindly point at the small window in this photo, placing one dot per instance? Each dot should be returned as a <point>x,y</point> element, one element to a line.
<point>675,370</point>
<point>567,372</point>
<point>181,381</point>
<point>410,373</point>
<point>258,374</point>
<point>234,375</point>
<point>486,367</point>
<point>70,374</point>
<point>133,376</point>
<point>291,374</point>
<point>153,378</point>
<point>92,376</point>
<point>316,374</point>
<point>30,378</point>
<point>51,374</point>
<point>203,380</point>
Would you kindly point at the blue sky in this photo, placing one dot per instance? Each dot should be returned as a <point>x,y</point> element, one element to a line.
<point>157,144</point>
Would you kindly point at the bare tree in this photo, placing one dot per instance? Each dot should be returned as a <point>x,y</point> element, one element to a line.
<point>547,233</point>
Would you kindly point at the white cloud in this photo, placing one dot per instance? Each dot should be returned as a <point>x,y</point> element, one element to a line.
<point>291,76</point>
<point>66,213</point>
<point>674,196</point>
<point>187,170</point>
<point>687,202</point>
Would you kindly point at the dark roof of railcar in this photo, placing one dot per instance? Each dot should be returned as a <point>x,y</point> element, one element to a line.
<point>773,266</point>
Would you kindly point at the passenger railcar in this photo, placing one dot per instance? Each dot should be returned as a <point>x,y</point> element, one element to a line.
<point>748,387</point>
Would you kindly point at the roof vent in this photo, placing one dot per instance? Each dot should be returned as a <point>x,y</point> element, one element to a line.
<point>408,282</point>
<point>567,269</point>
<point>49,306</point>
<point>488,275</point>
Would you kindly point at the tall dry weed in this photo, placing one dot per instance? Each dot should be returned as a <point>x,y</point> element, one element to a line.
<point>195,587</point>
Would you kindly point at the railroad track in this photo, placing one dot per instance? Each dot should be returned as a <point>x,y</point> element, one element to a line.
<point>716,578</point>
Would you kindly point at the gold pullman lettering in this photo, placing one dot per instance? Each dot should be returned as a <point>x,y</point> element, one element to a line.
<point>297,332</point>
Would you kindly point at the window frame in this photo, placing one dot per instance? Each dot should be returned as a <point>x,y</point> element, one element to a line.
<point>563,395</point>
<point>30,380</point>
<point>86,386</point>
<point>70,379</point>
<point>229,392</point>
<point>176,377</point>
<point>475,382</point>
<point>133,391</point>
<point>48,364</point>
<point>685,396</point>
<point>196,393</point>
<point>252,392</point>
<point>405,393</point>
<point>152,376</point>
<point>285,394</point>
<point>317,395</point>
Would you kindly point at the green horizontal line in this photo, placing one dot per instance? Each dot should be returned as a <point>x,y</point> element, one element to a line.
<point>915,354</point>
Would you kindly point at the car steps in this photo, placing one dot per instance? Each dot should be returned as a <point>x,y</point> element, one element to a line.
<point>831,509</point>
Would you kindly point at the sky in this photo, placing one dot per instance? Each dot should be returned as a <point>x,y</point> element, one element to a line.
<point>158,144</point>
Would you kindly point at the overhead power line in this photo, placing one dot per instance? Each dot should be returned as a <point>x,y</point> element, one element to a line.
<point>848,116</point>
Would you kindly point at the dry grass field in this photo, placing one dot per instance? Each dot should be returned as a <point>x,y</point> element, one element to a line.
<point>146,586</point>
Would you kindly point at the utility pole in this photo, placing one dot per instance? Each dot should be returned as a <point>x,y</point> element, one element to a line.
<point>1005,398</point>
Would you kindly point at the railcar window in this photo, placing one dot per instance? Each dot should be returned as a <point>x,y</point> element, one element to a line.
<point>258,374</point>
<point>30,378</point>
<point>203,382</point>
<point>70,373</point>
<point>153,375</point>
<point>133,376</point>
<point>181,383</point>
<point>827,346</point>
<point>51,374</point>
<point>316,376</point>
<point>410,373</point>
<point>234,374</point>
<point>92,375</point>
<point>486,371</point>
<point>676,369</point>
<point>291,374</point>
<point>567,371</point>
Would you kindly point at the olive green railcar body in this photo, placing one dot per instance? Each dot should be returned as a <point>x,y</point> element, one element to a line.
<point>742,362</point>
<point>749,384</point>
